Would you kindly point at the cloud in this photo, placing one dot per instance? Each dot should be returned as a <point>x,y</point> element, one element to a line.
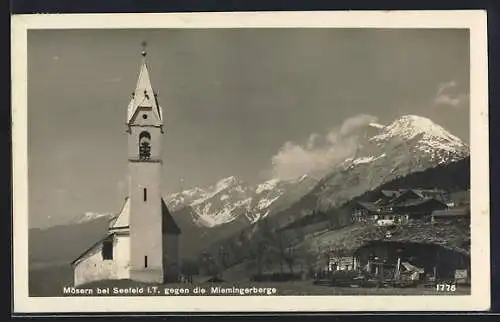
<point>55,57</point>
<point>448,95</point>
<point>443,87</point>
<point>451,101</point>
<point>320,152</point>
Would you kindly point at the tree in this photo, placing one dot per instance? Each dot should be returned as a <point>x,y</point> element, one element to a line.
<point>281,251</point>
<point>222,258</point>
<point>208,263</point>
<point>333,220</point>
<point>289,258</point>
<point>261,248</point>
<point>310,260</point>
<point>189,268</point>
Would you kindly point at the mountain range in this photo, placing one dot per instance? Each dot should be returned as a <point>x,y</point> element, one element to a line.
<point>230,207</point>
<point>409,144</point>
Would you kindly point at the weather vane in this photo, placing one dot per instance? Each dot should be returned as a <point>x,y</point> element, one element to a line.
<point>144,45</point>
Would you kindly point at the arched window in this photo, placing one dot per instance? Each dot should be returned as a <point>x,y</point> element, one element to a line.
<point>144,146</point>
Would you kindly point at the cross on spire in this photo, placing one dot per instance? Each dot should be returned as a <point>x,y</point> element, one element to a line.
<point>144,95</point>
<point>144,45</point>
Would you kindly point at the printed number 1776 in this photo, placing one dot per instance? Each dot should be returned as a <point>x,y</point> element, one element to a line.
<point>446,287</point>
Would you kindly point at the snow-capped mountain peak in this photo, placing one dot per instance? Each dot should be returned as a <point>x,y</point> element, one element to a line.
<point>376,125</point>
<point>409,126</point>
<point>231,199</point>
<point>409,144</point>
<point>267,185</point>
<point>226,182</point>
<point>89,216</point>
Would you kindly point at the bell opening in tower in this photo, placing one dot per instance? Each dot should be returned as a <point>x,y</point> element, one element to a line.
<point>144,146</point>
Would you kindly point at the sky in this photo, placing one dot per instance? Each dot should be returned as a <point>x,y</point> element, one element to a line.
<point>235,102</point>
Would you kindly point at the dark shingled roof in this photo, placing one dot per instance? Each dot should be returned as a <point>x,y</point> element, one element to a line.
<point>168,223</point>
<point>453,212</point>
<point>368,206</point>
<point>348,239</point>
<point>391,193</point>
<point>417,202</point>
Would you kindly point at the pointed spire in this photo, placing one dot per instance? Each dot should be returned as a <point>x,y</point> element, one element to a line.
<point>144,94</point>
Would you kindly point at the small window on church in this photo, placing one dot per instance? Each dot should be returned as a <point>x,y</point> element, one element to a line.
<point>145,262</point>
<point>145,192</point>
<point>144,116</point>
<point>107,249</point>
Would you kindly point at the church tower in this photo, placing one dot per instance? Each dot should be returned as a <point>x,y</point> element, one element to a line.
<point>145,130</point>
<point>142,243</point>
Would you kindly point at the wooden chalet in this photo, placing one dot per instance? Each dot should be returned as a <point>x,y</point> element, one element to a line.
<point>399,206</point>
<point>460,214</point>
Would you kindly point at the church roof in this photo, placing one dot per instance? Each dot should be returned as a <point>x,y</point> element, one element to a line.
<point>143,95</point>
<point>120,225</point>
<point>169,226</point>
<point>122,219</point>
<point>92,248</point>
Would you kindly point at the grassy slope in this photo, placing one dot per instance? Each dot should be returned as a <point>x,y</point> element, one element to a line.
<point>49,280</point>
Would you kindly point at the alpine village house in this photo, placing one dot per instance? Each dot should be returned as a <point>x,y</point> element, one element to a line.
<point>407,260</point>
<point>142,240</point>
<point>405,205</point>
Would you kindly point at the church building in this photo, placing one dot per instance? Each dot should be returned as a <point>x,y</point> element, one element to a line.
<point>142,240</point>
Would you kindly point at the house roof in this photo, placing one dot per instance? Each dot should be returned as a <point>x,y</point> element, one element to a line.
<point>391,193</point>
<point>406,193</point>
<point>431,193</point>
<point>419,193</point>
<point>452,212</point>
<point>368,206</point>
<point>349,240</point>
<point>460,196</point>
<point>417,202</point>
<point>412,268</point>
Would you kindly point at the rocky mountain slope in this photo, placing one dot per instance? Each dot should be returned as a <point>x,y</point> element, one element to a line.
<point>231,199</point>
<point>308,237</point>
<point>409,144</point>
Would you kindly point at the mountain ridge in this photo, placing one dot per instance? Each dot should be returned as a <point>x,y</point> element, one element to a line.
<point>230,206</point>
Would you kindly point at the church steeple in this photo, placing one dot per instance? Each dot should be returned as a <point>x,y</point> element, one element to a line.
<point>142,244</point>
<point>144,97</point>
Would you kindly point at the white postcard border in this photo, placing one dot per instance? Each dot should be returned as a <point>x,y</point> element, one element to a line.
<point>474,20</point>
